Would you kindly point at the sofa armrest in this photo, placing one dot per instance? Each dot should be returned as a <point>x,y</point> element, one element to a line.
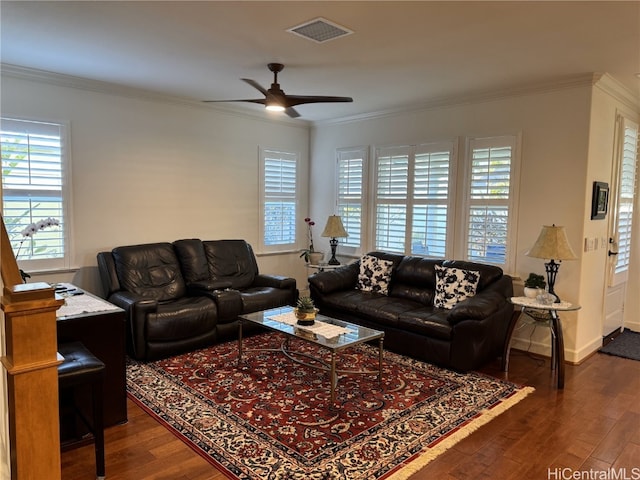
<point>207,286</point>
<point>275,281</point>
<point>343,278</point>
<point>478,307</point>
<point>137,308</point>
<point>132,303</point>
<point>228,304</point>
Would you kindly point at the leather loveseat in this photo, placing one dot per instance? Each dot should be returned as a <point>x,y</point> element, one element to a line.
<point>463,336</point>
<point>187,294</point>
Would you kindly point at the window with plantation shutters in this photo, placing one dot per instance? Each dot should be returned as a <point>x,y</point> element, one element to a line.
<point>392,188</point>
<point>627,184</point>
<point>432,192</point>
<point>413,192</point>
<point>351,164</point>
<point>33,190</point>
<point>279,199</point>
<point>489,214</point>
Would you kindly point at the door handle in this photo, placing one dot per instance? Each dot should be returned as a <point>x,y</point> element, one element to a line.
<point>613,246</point>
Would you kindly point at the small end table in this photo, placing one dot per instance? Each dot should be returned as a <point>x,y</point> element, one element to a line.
<point>536,309</point>
<point>321,267</point>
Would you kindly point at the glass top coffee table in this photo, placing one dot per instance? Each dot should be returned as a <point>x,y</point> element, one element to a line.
<point>329,333</point>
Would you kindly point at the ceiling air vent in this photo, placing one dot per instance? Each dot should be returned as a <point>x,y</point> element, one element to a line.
<point>320,30</point>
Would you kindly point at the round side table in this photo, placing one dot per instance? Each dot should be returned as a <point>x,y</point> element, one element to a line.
<point>537,311</point>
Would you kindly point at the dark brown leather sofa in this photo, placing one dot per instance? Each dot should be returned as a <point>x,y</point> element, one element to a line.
<point>462,338</point>
<point>187,294</point>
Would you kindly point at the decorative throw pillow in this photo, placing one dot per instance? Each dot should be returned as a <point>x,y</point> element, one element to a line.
<point>374,275</point>
<point>454,285</point>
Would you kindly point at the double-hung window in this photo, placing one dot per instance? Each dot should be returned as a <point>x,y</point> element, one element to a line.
<point>34,191</point>
<point>279,199</point>
<point>490,192</point>
<point>414,194</point>
<point>352,164</point>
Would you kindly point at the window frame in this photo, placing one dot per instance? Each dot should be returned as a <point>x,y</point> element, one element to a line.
<point>349,154</point>
<point>294,157</point>
<point>63,263</point>
<point>410,201</point>
<point>497,141</point>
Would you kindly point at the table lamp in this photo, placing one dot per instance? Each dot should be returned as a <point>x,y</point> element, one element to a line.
<point>552,243</point>
<point>334,229</point>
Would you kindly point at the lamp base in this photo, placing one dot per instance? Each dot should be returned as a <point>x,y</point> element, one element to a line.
<point>334,244</point>
<point>552,271</point>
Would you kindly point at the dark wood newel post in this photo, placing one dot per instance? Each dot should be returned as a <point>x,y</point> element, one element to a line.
<point>31,360</point>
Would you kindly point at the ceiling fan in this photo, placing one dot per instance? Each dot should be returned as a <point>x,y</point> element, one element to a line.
<point>276,100</point>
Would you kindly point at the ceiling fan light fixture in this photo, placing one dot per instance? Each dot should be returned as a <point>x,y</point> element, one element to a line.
<point>274,107</point>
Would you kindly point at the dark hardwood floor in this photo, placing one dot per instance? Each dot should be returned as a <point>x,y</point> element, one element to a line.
<point>591,425</point>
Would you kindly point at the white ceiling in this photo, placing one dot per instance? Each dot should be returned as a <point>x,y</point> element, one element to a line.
<point>402,54</point>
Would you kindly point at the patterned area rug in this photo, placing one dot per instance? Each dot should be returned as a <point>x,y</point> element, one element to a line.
<point>271,418</point>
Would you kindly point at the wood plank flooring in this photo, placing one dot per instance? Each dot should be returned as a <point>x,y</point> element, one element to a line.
<point>593,424</point>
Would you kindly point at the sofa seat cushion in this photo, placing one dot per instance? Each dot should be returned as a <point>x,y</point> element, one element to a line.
<point>386,310</point>
<point>428,321</point>
<point>346,300</point>
<point>183,318</point>
<point>255,299</point>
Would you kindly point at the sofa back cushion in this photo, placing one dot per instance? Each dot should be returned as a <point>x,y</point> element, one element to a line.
<point>488,273</point>
<point>415,279</point>
<point>231,260</point>
<point>193,260</point>
<point>150,270</point>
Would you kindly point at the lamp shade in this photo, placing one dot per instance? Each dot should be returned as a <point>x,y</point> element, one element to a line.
<point>552,243</point>
<point>334,228</point>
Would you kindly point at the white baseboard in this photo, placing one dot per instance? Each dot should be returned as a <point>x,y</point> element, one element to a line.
<point>544,349</point>
<point>635,326</point>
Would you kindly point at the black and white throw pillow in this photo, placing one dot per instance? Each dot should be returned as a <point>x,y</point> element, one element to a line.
<point>454,285</point>
<point>375,275</point>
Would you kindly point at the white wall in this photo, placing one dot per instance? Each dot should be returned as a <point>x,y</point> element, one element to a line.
<point>606,105</point>
<point>147,170</point>
<point>554,125</point>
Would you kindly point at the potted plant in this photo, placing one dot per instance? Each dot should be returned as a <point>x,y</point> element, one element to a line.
<point>534,285</point>
<point>305,311</point>
<point>309,254</point>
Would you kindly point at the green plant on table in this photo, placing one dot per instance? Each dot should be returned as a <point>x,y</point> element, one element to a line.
<point>535,281</point>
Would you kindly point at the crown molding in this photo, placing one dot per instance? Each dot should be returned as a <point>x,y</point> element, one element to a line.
<point>98,86</point>
<point>557,84</point>
<point>617,90</point>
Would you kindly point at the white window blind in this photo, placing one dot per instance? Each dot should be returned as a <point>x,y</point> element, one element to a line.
<point>489,198</point>
<point>279,181</point>
<point>414,191</point>
<point>626,195</point>
<point>351,193</point>
<point>33,189</point>
<point>431,197</point>
<point>392,188</point>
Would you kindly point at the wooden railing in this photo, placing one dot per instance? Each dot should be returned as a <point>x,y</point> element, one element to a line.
<point>31,363</point>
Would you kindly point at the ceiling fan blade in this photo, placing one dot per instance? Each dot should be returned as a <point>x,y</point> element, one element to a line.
<point>293,100</point>
<point>255,85</point>
<point>252,100</point>
<point>291,112</point>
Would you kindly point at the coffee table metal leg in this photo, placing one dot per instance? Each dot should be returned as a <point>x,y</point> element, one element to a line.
<point>334,377</point>
<point>240,322</point>
<point>380,358</point>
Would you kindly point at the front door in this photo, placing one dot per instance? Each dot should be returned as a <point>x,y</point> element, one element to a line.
<point>622,197</point>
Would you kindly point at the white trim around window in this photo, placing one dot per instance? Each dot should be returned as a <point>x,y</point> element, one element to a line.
<point>279,199</point>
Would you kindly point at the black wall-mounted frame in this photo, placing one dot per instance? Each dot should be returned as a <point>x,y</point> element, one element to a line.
<point>599,200</point>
